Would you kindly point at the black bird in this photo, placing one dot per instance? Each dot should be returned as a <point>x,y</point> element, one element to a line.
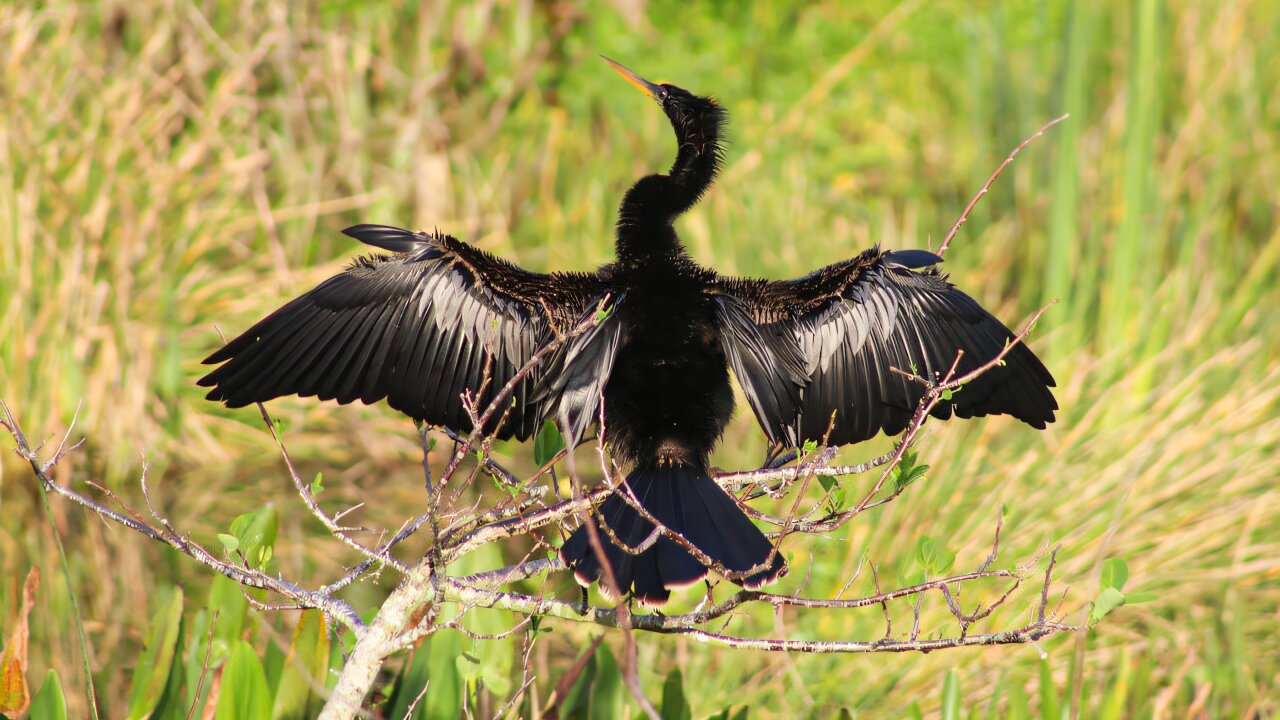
<point>417,327</point>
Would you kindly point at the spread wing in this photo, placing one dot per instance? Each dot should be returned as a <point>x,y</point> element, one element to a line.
<point>849,323</point>
<point>417,328</point>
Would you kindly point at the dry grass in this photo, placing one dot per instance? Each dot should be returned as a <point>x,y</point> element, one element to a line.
<point>172,166</point>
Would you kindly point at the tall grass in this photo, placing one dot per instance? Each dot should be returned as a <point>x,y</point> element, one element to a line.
<point>169,167</point>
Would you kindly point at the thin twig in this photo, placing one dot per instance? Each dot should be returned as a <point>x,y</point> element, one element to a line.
<point>946,242</point>
<point>339,610</point>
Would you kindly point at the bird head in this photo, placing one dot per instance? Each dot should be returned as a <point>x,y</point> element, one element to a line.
<point>696,120</point>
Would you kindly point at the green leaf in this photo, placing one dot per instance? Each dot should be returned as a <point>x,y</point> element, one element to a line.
<point>577,699</point>
<point>434,667</point>
<point>494,664</point>
<point>1139,597</point>
<point>1018,704</point>
<point>193,656</point>
<point>317,485</point>
<point>151,673</point>
<point>1116,703</point>
<point>608,693</point>
<point>512,490</point>
<point>911,576</point>
<point>840,498</point>
<point>495,659</point>
<point>256,532</point>
<point>547,443</point>
<point>1050,702</point>
<point>674,704</point>
<point>173,704</point>
<point>1115,572</point>
<point>409,684</point>
<point>227,611</point>
<point>227,601</point>
<point>947,395</point>
<point>907,471</point>
<point>443,700</point>
<point>243,693</point>
<point>809,447</point>
<point>946,560</point>
<point>273,665</point>
<point>926,552</point>
<point>304,667</point>
<point>427,440</point>
<point>230,542</point>
<point>49,702</point>
<point>951,696</point>
<point>1109,599</point>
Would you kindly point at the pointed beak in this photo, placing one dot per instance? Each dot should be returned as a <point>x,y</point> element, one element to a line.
<point>652,90</point>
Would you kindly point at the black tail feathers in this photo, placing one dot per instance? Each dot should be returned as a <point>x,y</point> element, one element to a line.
<point>685,500</point>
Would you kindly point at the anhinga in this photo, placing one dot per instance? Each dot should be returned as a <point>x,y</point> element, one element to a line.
<point>420,325</point>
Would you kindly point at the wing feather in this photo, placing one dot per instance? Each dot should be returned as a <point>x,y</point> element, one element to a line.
<point>852,322</point>
<point>417,328</point>
<point>769,365</point>
<point>580,370</point>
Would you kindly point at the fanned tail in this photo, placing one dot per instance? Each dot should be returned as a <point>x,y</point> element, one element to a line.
<point>686,500</point>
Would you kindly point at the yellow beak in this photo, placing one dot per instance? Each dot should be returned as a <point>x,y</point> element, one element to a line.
<point>651,89</point>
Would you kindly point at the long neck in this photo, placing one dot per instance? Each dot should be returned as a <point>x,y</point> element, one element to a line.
<point>654,202</point>
<point>697,160</point>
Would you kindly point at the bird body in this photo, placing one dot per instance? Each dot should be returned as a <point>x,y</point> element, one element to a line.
<point>669,362</point>
<point>812,355</point>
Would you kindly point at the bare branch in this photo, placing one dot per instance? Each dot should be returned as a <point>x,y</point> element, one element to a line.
<point>337,609</point>
<point>986,187</point>
<point>380,557</point>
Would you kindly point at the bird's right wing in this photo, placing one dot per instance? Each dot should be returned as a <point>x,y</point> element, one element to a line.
<point>849,324</point>
<point>418,328</point>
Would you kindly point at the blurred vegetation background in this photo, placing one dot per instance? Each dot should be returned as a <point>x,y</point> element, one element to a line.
<point>172,168</point>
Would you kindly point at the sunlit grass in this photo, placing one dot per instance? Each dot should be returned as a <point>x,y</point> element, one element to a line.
<point>172,167</point>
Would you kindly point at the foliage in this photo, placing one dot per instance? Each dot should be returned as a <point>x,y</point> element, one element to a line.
<point>195,164</point>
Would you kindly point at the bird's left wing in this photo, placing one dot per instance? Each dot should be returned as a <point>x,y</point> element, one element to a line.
<point>418,327</point>
<point>849,324</point>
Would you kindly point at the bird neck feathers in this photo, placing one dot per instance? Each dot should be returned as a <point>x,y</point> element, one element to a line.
<point>654,202</point>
